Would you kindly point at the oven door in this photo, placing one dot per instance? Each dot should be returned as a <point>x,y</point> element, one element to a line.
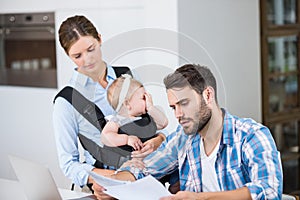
<point>28,56</point>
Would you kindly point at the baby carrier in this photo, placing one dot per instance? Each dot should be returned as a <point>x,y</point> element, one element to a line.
<point>110,156</point>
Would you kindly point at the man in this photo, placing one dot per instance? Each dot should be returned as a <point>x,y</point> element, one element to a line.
<point>219,156</point>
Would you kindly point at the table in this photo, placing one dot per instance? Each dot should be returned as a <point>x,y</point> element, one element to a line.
<point>11,189</point>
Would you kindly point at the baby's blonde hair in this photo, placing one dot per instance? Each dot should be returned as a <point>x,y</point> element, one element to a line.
<point>114,90</point>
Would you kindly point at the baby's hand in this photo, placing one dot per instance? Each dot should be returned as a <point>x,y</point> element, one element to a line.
<point>135,142</point>
<point>149,102</point>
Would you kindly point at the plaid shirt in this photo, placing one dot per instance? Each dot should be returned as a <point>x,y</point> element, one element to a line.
<point>247,156</point>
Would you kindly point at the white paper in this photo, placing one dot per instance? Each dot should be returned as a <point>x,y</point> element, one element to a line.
<point>145,188</point>
<point>106,182</point>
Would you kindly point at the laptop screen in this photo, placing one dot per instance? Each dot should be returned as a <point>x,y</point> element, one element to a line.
<point>37,181</point>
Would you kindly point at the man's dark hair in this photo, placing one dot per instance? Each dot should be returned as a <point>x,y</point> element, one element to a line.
<point>196,76</point>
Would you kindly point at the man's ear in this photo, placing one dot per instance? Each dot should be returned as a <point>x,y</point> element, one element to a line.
<point>208,94</point>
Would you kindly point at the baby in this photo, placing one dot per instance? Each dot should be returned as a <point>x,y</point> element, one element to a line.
<point>137,119</point>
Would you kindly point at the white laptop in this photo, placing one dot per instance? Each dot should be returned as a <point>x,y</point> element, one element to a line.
<point>37,181</point>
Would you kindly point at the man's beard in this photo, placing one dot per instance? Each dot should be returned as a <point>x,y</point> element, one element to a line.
<point>200,119</point>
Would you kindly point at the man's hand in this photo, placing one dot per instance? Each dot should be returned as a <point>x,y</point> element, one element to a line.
<point>149,146</point>
<point>184,195</point>
<point>242,193</point>
<point>134,163</point>
<point>145,151</point>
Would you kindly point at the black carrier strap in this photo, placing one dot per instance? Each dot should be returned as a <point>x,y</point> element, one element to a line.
<point>121,70</point>
<point>85,107</point>
<point>110,156</point>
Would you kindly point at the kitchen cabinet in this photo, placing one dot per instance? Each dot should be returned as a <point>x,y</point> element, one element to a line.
<point>280,35</point>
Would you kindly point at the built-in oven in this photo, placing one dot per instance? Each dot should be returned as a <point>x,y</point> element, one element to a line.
<point>27,50</point>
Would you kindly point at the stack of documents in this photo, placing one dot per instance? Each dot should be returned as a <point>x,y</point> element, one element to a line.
<point>145,188</point>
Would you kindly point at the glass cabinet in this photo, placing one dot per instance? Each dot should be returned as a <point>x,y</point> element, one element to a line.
<point>280,33</point>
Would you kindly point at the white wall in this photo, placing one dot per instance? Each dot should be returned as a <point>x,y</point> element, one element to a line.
<point>224,35</point>
<point>143,35</point>
<point>26,119</point>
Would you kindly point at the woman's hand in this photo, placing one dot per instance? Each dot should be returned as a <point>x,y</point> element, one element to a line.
<point>99,192</point>
<point>104,172</point>
<point>125,176</point>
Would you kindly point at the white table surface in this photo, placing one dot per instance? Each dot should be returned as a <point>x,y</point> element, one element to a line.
<point>11,189</point>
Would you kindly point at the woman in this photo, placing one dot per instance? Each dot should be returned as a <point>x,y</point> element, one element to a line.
<point>92,76</point>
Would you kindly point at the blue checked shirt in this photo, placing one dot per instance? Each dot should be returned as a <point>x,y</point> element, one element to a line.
<point>247,156</point>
